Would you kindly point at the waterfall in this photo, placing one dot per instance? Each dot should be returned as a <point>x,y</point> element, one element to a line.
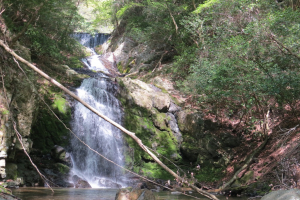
<point>90,41</point>
<point>100,135</point>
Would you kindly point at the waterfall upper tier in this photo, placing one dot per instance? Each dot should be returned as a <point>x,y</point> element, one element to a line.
<point>89,40</point>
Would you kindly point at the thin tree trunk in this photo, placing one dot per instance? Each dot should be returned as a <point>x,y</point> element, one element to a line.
<point>131,134</point>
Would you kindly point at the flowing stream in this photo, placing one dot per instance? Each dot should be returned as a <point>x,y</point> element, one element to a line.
<point>100,135</point>
<point>97,194</point>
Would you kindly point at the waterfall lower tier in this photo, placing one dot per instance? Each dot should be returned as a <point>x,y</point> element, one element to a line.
<point>99,92</point>
<point>97,133</point>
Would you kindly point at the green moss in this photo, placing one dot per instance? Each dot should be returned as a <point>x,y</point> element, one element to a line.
<point>47,130</point>
<point>139,120</point>
<point>3,189</point>
<point>60,103</point>
<point>160,120</point>
<point>4,111</point>
<point>209,174</point>
<point>64,169</point>
<point>74,62</point>
<point>155,171</point>
<point>120,67</point>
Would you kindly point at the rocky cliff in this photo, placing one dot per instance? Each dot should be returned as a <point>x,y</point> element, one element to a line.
<point>23,110</point>
<point>160,118</point>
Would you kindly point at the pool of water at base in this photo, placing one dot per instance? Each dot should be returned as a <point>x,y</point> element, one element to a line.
<point>94,194</point>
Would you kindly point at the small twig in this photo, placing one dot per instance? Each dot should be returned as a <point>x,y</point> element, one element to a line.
<point>159,62</point>
<point>282,45</point>
<point>2,11</point>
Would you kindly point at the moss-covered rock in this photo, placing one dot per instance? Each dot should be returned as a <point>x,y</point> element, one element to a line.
<point>150,125</point>
<point>160,120</point>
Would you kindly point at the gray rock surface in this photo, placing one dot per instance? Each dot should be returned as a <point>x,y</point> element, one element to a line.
<point>135,194</point>
<point>59,153</point>
<point>145,96</point>
<point>293,194</point>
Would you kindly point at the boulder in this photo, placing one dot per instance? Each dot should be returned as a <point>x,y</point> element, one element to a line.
<point>191,123</point>
<point>293,194</point>
<point>145,95</point>
<point>59,153</point>
<point>102,182</point>
<point>135,194</point>
<point>80,183</point>
<point>161,102</point>
<point>174,108</point>
<point>12,184</point>
<point>163,83</point>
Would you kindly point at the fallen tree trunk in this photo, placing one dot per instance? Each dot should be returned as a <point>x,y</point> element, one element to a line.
<point>245,166</point>
<point>131,134</point>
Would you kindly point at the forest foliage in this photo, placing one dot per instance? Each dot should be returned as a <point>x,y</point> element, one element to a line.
<point>233,54</point>
<point>45,27</point>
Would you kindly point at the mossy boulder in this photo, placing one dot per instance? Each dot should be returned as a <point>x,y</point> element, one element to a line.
<point>160,121</point>
<point>135,194</point>
<point>151,126</point>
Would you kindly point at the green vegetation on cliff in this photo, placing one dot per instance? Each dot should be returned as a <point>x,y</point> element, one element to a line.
<point>239,56</point>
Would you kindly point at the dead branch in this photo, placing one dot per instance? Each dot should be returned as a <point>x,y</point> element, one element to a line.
<point>283,46</point>
<point>159,62</point>
<point>246,165</point>
<point>131,134</point>
<point>176,27</point>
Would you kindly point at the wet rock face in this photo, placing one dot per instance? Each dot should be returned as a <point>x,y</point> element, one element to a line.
<point>59,154</point>
<point>80,183</point>
<point>19,95</point>
<point>132,55</point>
<point>191,123</point>
<point>108,183</point>
<point>172,124</point>
<point>199,144</point>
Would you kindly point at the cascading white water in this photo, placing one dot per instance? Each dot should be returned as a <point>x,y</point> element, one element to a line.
<point>89,40</point>
<point>97,133</point>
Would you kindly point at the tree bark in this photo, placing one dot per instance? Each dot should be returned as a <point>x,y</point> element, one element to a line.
<point>131,134</point>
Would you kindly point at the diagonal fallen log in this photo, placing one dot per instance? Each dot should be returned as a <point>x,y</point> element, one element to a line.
<point>131,134</point>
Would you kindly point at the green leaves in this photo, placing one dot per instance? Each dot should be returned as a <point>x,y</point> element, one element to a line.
<point>243,49</point>
<point>206,4</point>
